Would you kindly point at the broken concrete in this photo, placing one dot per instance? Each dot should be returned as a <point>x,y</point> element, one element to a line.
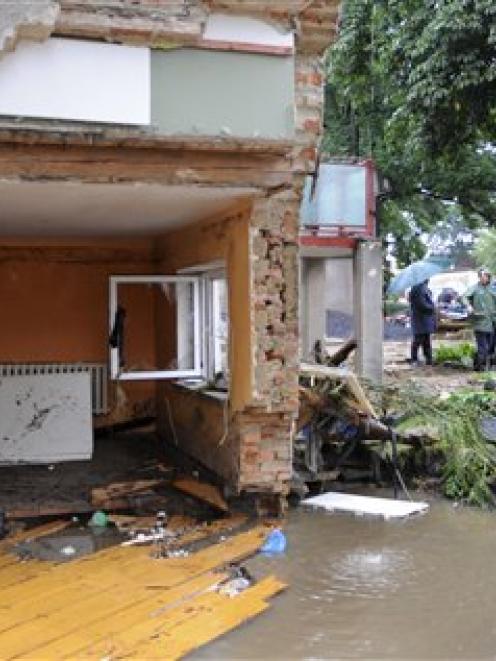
<point>26,19</point>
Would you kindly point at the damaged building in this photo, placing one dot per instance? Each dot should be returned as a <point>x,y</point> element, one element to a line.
<point>153,156</point>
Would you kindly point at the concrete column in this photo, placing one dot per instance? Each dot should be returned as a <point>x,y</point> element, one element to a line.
<point>368,309</point>
<point>313,311</point>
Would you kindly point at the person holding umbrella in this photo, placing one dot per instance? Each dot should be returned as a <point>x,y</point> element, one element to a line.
<point>423,320</point>
<point>481,305</point>
<point>423,311</point>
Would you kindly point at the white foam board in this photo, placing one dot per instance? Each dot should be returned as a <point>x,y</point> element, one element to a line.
<point>388,508</point>
<point>45,418</point>
<point>245,30</point>
<point>76,79</point>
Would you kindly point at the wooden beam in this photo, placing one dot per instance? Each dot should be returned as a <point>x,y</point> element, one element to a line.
<point>121,164</point>
<point>81,134</point>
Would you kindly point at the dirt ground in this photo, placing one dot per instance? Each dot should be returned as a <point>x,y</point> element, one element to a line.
<point>436,379</point>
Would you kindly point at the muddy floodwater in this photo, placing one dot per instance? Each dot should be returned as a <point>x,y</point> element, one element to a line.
<point>365,588</point>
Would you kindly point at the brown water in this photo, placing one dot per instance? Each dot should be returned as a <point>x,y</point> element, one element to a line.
<point>423,588</point>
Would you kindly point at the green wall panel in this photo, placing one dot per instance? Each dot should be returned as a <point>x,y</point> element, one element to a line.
<point>217,93</point>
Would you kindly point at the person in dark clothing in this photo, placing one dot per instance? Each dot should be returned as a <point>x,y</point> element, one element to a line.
<point>423,319</point>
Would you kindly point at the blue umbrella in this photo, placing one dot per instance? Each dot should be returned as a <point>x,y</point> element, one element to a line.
<point>416,273</point>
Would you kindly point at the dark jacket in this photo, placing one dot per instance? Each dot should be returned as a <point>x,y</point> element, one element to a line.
<point>422,309</point>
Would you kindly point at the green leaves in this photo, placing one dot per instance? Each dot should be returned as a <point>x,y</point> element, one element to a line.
<point>412,83</point>
<point>485,249</point>
<point>469,462</point>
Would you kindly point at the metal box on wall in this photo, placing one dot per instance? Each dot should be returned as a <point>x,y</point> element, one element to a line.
<point>340,201</point>
<point>45,418</point>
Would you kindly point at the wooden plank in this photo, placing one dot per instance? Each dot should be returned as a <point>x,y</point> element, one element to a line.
<point>197,622</point>
<point>94,568</point>
<point>117,490</point>
<point>113,589</point>
<point>36,511</point>
<point>203,491</point>
<point>343,375</point>
<point>33,533</point>
<point>102,633</point>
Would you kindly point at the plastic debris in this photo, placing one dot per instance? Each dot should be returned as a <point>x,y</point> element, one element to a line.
<point>68,550</point>
<point>99,519</point>
<point>179,553</point>
<point>234,587</point>
<point>147,537</point>
<point>275,542</point>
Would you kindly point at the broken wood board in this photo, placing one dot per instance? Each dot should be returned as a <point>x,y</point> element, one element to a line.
<point>117,494</point>
<point>45,509</point>
<point>34,533</point>
<point>129,604</point>
<point>322,372</point>
<point>388,508</point>
<point>180,634</point>
<point>207,493</point>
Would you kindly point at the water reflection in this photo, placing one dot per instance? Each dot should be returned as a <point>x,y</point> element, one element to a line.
<point>364,588</point>
<point>370,574</point>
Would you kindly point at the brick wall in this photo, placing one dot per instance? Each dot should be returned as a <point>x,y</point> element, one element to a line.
<point>265,431</point>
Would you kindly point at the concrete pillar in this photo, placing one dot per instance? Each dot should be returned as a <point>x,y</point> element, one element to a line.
<point>313,308</point>
<point>368,309</point>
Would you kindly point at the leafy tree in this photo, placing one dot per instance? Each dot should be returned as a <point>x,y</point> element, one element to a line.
<point>485,249</point>
<point>412,83</point>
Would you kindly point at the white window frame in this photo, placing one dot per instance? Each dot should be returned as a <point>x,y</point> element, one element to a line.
<point>116,373</point>
<point>208,278</point>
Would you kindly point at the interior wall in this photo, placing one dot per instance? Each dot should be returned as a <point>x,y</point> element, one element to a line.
<point>225,238</point>
<point>54,294</point>
<point>196,420</point>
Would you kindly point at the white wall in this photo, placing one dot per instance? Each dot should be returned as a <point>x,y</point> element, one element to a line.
<point>246,30</point>
<point>73,79</point>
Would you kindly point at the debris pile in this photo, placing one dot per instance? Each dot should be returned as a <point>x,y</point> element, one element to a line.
<point>442,440</point>
<point>335,418</point>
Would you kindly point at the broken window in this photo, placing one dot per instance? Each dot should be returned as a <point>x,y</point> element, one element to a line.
<point>155,324</point>
<point>168,327</point>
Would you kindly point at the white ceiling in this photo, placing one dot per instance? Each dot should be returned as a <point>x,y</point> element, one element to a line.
<point>77,209</point>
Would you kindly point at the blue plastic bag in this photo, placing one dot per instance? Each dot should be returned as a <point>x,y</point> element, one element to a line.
<point>275,542</point>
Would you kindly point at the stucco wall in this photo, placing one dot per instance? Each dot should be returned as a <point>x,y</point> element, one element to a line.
<point>54,297</point>
<point>202,425</point>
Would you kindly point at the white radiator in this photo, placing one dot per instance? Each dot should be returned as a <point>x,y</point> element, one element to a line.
<point>98,374</point>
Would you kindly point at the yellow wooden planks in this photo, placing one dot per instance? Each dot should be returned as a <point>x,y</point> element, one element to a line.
<point>90,598</point>
<point>100,638</point>
<point>197,623</point>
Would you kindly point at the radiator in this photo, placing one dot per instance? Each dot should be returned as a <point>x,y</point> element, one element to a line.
<point>98,374</point>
